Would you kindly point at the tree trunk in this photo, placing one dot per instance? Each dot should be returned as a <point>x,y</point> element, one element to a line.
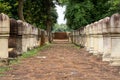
<point>20,10</point>
<point>49,31</point>
<point>48,21</point>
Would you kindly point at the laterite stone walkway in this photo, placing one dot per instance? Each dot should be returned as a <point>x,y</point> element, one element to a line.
<point>62,61</point>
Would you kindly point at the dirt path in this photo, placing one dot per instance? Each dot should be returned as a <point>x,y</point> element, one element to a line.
<point>62,61</point>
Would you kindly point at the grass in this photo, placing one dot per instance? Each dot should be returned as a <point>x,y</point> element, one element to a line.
<point>77,46</point>
<point>29,54</point>
<point>24,55</point>
<point>34,51</point>
<point>3,69</point>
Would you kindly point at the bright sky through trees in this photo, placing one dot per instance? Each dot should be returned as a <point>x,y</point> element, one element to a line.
<point>60,11</point>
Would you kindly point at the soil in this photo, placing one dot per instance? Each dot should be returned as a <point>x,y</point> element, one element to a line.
<point>62,61</point>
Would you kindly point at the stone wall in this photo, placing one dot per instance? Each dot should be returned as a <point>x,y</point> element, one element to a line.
<point>17,37</point>
<point>101,38</point>
<point>60,35</point>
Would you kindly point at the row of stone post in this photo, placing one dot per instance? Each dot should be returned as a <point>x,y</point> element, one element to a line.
<point>101,38</point>
<point>17,37</point>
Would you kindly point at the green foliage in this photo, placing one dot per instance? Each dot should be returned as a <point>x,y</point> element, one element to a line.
<point>61,28</point>
<point>82,12</point>
<point>115,6</point>
<point>9,7</point>
<point>78,14</point>
<point>36,12</point>
<point>4,7</point>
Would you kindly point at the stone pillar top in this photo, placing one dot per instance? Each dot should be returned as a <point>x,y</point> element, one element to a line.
<point>87,29</point>
<point>13,27</point>
<point>36,31</point>
<point>39,31</point>
<point>82,30</point>
<point>115,23</point>
<point>32,29</point>
<point>99,26</point>
<point>95,24</point>
<point>20,27</point>
<point>4,34</point>
<point>106,25</point>
<point>27,28</point>
<point>25,31</point>
<point>4,24</point>
<point>91,28</point>
<point>78,30</point>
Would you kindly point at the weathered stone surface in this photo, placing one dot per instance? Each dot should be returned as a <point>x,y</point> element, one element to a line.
<point>91,38</point>
<point>21,44</point>
<point>4,34</point>
<point>95,39</point>
<point>115,23</point>
<point>102,37</point>
<point>12,42</point>
<point>4,24</point>
<point>115,39</point>
<point>106,39</point>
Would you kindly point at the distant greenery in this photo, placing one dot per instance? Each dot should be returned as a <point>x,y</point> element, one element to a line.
<point>61,28</point>
<point>82,12</point>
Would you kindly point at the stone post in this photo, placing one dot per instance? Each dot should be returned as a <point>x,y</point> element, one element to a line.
<point>35,34</point>
<point>80,37</point>
<point>22,38</point>
<point>84,37</point>
<point>32,37</point>
<point>83,33</point>
<point>28,35</point>
<point>75,37</point>
<point>106,39</point>
<point>4,34</point>
<point>12,43</point>
<point>95,39</point>
<point>87,37</point>
<point>91,38</point>
<point>115,39</point>
<point>100,37</point>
